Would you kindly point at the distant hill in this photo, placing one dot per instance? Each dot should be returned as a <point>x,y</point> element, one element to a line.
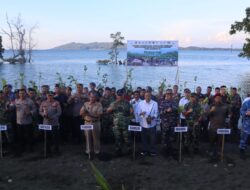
<point>107,45</point>
<point>86,46</point>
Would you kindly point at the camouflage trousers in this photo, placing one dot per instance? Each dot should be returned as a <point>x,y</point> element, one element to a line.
<point>191,138</point>
<point>167,134</point>
<point>121,135</point>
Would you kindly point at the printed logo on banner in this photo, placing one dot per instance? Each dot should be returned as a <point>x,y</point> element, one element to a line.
<point>134,128</point>
<point>180,129</point>
<point>3,127</point>
<point>223,131</point>
<point>45,127</point>
<point>87,127</point>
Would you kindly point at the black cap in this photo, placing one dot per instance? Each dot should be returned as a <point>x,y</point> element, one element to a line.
<point>187,90</point>
<point>193,95</point>
<point>51,93</point>
<point>31,89</point>
<point>136,91</point>
<point>92,84</point>
<point>149,89</point>
<point>107,88</point>
<point>119,92</point>
<point>169,91</point>
<point>200,96</point>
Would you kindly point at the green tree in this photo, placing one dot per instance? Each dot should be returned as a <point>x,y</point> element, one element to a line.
<point>117,42</point>
<point>1,48</point>
<point>243,26</point>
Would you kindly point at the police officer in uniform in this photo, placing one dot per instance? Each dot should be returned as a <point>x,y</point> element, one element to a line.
<point>50,110</point>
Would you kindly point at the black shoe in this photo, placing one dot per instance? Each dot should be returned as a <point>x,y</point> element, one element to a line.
<point>242,154</point>
<point>186,151</point>
<point>196,151</point>
<point>118,153</point>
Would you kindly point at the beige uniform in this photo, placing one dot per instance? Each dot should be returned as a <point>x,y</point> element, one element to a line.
<point>93,118</point>
<point>24,111</point>
<point>50,111</point>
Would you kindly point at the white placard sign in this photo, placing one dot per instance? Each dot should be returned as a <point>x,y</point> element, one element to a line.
<point>134,128</point>
<point>3,127</point>
<point>223,131</point>
<point>180,129</point>
<point>45,127</point>
<point>86,127</point>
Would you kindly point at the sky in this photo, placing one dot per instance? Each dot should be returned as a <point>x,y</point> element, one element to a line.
<point>192,22</point>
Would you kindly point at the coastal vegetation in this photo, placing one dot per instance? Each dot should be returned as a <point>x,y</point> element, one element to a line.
<point>117,42</point>
<point>21,40</point>
<point>1,49</point>
<point>243,26</point>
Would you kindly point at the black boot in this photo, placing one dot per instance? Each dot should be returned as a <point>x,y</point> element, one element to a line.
<point>242,154</point>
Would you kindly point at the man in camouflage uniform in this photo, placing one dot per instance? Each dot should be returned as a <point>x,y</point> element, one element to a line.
<point>192,112</point>
<point>235,105</point>
<point>121,118</point>
<point>245,131</point>
<point>3,116</point>
<point>107,120</point>
<point>176,94</point>
<point>169,119</point>
<point>3,104</point>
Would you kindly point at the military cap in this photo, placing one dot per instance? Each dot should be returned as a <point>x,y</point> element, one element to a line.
<point>107,88</point>
<point>187,90</point>
<point>51,93</point>
<point>193,95</point>
<point>120,92</point>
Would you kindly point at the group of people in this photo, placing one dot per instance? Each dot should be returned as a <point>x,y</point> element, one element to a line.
<point>111,111</point>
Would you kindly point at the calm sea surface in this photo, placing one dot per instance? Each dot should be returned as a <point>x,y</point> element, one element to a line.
<point>210,67</point>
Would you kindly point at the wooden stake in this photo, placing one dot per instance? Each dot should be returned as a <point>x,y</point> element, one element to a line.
<point>88,134</point>
<point>222,147</point>
<point>45,144</point>
<point>1,144</point>
<point>180,146</point>
<point>134,148</point>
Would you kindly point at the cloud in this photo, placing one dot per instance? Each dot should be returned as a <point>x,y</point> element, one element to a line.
<point>207,33</point>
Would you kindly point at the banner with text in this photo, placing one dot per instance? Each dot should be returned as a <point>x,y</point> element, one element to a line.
<point>152,53</point>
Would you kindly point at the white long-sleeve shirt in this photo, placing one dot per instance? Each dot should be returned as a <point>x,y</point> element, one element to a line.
<point>135,106</point>
<point>150,109</point>
<point>183,102</point>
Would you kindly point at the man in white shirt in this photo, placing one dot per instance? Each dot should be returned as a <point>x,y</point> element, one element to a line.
<point>183,101</point>
<point>148,112</point>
